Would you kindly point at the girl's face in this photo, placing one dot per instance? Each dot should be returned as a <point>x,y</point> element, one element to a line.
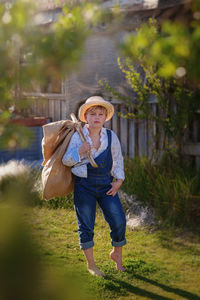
<point>96,117</point>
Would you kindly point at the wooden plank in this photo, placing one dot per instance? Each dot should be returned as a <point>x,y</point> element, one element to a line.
<point>196,139</point>
<point>170,140</point>
<point>108,124</point>
<point>42,109</point>
<point>197,161</point>
<point>51,110</point>
<point>29,109</point>
<point>34,107</point>
<point>124,132</point>
<point>191,149</point>
<point>116,102</point>
<point>132,139</point>
<point>195,133</point>
<point>128,136</point>
<point>114,122</point>
<point>118,123</point>
<point>63,110</point>
<point>57,110</point>
<point>46,108</point>
<point>39,108</point>
<point>161,133</point>
<point>63,87</point>
<point>152,99</point>
<point>142,137</point>
<point>45,95</point>
<point>151,134</point>
<point>68,110</point>
<point>41,112</point>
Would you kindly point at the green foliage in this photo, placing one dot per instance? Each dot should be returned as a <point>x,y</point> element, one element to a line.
<point>160,64</point>
<point>173,48</point>
<point>59,202</point>
<point>31,52</point>
<point>15,136</point>
<point>18,184</point>
<point>23,269</point>
<point>176,105</point>
<point>21,184</point>
<point>170,186</point>
<point>18,257</point>
<point>27,48</point>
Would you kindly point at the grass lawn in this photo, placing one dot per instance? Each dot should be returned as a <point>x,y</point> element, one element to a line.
<point>160,265</point>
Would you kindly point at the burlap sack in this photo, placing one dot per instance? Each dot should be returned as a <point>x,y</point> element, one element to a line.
<point>57,179</point>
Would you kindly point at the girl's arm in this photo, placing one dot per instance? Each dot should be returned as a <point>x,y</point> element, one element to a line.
<point>71,156</point>
<point>118,161</point>
<point>118,166</point>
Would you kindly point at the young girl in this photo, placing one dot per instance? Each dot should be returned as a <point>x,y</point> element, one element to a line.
<point>96,184</point>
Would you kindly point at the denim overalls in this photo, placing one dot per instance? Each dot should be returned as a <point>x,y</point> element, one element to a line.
<point>91,189</point>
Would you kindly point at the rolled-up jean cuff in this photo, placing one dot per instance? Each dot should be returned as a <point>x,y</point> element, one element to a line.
<point>118,244</point>
<point>86,245</point>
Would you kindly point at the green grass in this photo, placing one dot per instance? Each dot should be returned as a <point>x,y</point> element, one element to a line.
<point>160,264</point>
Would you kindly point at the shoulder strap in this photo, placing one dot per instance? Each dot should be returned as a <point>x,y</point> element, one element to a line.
<point>109,137</point>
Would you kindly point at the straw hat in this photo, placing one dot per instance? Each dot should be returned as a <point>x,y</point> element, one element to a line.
<point>93,101</point>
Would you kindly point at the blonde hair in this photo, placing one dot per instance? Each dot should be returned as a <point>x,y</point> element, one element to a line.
<point>93,108</point>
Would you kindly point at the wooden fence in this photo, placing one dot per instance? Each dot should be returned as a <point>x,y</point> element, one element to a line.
<point>136,137</point>
<point>191,145</point>
<point>53,106</point>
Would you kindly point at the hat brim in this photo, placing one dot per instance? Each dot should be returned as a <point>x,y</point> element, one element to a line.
<point>108,106</point>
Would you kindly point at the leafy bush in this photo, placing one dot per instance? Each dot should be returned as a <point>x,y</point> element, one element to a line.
<point>59,202</point>
<point>21,184</point>
<point>17,182</point>
<point>171,187</point>
<point>21,251</point>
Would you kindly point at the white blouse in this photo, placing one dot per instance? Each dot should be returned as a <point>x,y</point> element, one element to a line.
<point>78,163</point>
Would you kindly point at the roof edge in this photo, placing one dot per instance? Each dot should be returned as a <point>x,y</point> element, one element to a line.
<point>141,5</point>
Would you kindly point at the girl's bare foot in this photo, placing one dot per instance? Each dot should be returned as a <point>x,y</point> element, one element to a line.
<point>92,268</point>
<point>95,271</point>
<point>117,258</point>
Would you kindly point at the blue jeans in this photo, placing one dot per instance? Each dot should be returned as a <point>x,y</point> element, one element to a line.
<point>89,191</point>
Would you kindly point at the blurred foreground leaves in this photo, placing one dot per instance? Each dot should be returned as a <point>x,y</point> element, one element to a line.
<point>172,48</point>
<point>32,51</point>
<point>23,272</point>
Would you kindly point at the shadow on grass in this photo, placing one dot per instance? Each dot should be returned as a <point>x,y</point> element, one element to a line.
<point>177,291</point>
<point>170,242</point>
<point>122,287</point>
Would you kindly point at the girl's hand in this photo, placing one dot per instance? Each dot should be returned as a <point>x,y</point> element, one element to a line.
<point>85,147</point>
<point>115,186</point>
